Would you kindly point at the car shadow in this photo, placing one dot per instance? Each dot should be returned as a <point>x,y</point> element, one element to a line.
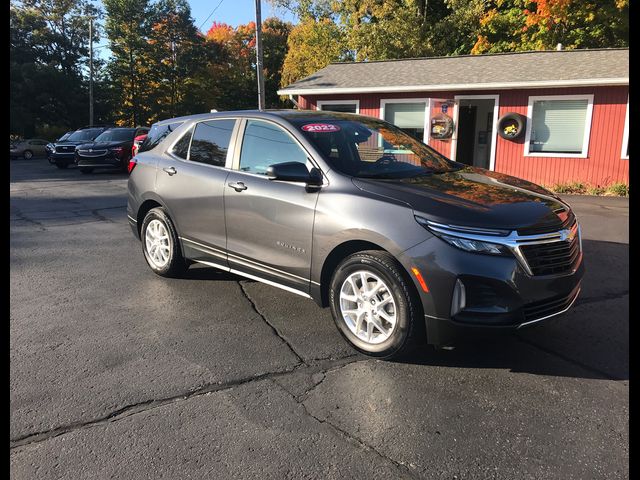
<point>589,341</point>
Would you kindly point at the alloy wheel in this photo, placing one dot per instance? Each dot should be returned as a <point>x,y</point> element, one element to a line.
<point>368,307</point>
<point>157,243</point>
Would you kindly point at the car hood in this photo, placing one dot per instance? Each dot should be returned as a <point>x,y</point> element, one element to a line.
<point>475,197</point>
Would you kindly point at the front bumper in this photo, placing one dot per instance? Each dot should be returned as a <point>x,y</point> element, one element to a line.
<point>63,158</point>
<point>99,162</point>
<point>500,295</point>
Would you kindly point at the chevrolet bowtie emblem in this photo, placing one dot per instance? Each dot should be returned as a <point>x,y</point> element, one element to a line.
<point>567,235</point>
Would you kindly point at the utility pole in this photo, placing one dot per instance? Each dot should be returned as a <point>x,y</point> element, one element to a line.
<point>90,70</point>
<point>259,69</point>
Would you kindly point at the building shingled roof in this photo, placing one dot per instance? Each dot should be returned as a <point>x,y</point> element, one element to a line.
<point>503,70</point>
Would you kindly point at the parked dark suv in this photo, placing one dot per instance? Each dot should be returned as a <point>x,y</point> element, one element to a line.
<point>349,210</point>
<point>111,149</point>
<point>64,152</point>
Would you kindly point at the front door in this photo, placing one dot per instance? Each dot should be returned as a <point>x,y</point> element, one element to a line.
<point>466,134</point>
<point>191,180</point>
<point>269,223</point>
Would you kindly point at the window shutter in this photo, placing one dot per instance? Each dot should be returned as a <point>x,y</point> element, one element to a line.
<point>405,115</point>
<point>558,126</point>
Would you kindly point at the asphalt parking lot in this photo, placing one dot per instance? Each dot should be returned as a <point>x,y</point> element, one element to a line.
<point>118,373</point>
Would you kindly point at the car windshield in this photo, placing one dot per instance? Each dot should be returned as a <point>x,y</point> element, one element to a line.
<point>86,134</point>
<point>369,148</point>
<point>116,135</point>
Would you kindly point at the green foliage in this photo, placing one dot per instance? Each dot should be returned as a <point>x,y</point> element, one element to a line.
<point>577,188</point>
<point>48,57</point>
<point>581,188</point>
<point>162,66</point>
<point>512,25</point>
<point>128,25</point>
<point>618,189</point>
<point>313,44</point>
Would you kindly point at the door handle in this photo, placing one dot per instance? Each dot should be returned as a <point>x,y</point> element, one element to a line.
<point>238,186</point>
<point>170,170</point>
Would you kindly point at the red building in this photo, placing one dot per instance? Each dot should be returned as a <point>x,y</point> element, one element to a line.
<point>547,116</point>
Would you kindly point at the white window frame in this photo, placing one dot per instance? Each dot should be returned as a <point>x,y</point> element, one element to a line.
<point>587,126</point>
<point>320,103</point>
<point>427,108</point>
<point>494,126</point>
<point>625,135</point>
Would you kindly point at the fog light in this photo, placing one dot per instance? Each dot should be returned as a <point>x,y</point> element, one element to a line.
<point>459,300</point>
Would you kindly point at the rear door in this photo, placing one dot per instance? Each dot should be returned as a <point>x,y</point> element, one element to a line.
<point>191,180</point>
<point>269,223</point>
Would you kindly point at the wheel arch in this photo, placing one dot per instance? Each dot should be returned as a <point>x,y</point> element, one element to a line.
<point>143,210</point>
<point>339,253</point>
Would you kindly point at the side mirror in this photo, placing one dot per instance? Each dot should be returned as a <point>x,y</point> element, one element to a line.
<point>294,172</point>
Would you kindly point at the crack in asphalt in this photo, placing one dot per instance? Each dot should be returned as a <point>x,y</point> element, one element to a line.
<point>275,330</point>
<point>21,216</point>
<point>338,431</point>
<point>74,214</point>
<point>147,405</point>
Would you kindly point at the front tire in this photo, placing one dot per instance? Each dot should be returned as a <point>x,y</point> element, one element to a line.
<point>62,165</point>
<point>160,244</point>
<point>374,305</point>
<point>28,154</point>
<point>86,170</point>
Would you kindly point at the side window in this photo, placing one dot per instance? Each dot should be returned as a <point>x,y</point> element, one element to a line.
<point>181,148</point>
<point>157,134</point>
<point>265,144</point>
<point>211,142</point>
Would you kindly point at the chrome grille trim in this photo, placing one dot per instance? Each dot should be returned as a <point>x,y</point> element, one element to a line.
<point>513,240</point>
<point>94,153</point>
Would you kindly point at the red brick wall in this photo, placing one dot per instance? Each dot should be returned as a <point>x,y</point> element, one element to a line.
<point>602,166</point>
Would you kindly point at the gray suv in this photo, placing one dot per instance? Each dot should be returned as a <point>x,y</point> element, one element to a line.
<point>400,242</point>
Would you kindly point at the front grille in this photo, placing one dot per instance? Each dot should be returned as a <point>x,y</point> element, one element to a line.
<point>94,153</point>
<point>552,258</point>
<point>65,149</point>
<point>545,308</point>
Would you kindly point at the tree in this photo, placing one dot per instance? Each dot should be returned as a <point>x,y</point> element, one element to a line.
<point>512,25</point>
<point>177,55</point>
<point>233,67</point>
<point>313,44</point>
<point>379,30</point>
<point>275,34</point>
<point>48,57</point>
<point>128,26</point>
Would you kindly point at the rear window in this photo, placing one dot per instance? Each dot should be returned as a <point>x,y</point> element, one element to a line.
<point>157,134</point>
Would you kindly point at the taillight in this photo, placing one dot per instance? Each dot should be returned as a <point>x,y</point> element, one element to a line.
<point>132,164</point>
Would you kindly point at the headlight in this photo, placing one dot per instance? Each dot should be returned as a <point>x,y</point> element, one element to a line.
<point>463,237</point>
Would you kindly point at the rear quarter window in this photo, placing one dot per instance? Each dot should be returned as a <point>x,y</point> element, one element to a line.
<point>157,134</point>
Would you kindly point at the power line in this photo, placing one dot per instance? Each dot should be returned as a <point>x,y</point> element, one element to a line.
<point>214,10</point>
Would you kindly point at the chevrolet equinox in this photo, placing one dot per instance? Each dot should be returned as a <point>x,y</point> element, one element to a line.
<point>400,242</point>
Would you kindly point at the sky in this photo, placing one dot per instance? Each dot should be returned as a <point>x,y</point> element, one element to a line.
<point>232,12</point>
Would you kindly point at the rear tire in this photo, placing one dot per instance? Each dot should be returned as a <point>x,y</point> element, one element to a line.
<point>160,244</point>
<point>86,170</point>
<point>368,290</point>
